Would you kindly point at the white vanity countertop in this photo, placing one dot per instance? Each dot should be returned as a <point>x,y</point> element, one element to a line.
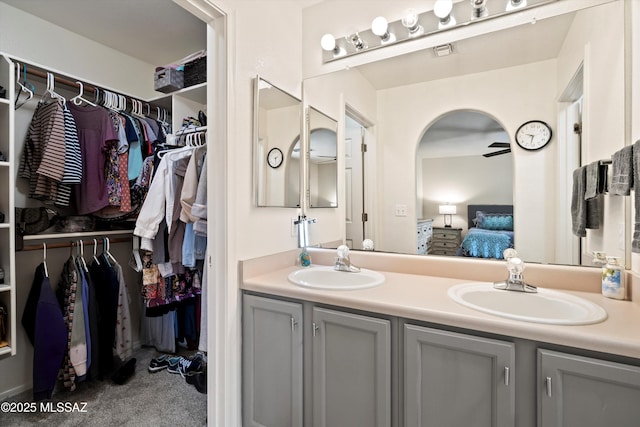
<point>424,298</point>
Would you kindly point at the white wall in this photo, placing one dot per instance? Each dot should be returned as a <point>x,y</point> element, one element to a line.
<point>37,41</point>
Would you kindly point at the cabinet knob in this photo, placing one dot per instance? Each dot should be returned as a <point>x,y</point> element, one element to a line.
<point>506,375</point>
<point>315,329</point>
<point>293,324</point>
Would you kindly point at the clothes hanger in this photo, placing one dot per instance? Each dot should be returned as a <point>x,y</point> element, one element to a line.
<point>95,251</point>
<point>82,261</point>
<point>105,247</point>
<point>51,89</point>
<point>23,88</point>
<point>44,259</point>
<point>78,99</point>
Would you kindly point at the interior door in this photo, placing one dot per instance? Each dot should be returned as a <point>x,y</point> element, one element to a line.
<point>354,183</point>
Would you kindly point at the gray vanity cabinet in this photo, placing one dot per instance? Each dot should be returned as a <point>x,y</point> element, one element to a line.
<point>576,391</point>
<point>272,362</point>
<point>453,379</point>
<point>351,369</point>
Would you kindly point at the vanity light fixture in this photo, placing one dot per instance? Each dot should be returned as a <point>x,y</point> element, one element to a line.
<point>446,15</point>
<point>411,21</point>
<point>442,9</point>
<point>515,4</point>
<point>447,211</point>
<point>380,27</point>
<point>479,9</point>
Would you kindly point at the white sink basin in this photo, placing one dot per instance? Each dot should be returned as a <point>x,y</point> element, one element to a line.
<point>323,277</point>
<point>545,306</point>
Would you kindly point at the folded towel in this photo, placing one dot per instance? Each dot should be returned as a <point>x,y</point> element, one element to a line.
<point>584,213</point>
<point>622,172</point>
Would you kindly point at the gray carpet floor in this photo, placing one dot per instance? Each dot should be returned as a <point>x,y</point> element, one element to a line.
<point>146,399</point>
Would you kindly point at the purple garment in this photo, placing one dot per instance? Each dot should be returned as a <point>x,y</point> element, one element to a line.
<point>50,339</point>
<point>95,133</point>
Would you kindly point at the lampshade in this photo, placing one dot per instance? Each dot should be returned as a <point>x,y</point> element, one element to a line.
<point>447,209</point>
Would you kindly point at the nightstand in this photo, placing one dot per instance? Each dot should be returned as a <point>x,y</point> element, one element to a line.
<point>425,232</point>
<point>445,241</point>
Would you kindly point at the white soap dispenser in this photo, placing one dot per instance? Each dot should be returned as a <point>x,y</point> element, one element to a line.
<point>613,285</point>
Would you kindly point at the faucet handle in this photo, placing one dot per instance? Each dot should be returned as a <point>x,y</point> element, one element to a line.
<point>509,253</point>
<point>515,265</point>
<point>343,251</point>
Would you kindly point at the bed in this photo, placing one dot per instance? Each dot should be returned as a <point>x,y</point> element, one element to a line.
<point>490,231</point>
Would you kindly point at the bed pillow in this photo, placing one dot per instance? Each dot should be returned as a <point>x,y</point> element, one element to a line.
<point>494,221</point>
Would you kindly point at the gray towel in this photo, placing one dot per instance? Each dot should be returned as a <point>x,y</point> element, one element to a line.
<point>593,183</point>
<point>635,242</point>
<point>584,213</point>
<point>622,172</point>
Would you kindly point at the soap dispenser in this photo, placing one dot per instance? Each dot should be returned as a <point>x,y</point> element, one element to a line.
<point>303,238</point>
<point>613,285</point>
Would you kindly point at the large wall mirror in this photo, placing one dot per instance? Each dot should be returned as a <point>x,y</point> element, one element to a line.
<point>276,136</point>
<point>323,165</point>
<point>564,70</point>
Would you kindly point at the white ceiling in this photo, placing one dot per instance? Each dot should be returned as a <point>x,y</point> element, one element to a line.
<point>155,31</point>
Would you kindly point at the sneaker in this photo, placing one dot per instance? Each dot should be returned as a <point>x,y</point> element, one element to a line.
<point>199,380</point>
<point>162,362</point>
<point>186,367</point>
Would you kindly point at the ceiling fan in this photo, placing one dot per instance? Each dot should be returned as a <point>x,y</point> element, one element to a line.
<point>506,149</point>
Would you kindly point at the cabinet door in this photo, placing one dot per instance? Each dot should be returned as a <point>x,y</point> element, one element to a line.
<point>576,391</point>
<point>452,379</point>
<point>272,362</point>
<point>351,370</point>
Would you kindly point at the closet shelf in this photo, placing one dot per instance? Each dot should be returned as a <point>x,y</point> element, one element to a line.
<point>196,93</point>
<point>4,101</point>
<point>5,287</point>
<point>5,350</point>
<point>53,236</point>
<point>5,225</point>
<point>5,164</point>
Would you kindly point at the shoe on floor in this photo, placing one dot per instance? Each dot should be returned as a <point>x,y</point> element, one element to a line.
<point>199,380</point>
<point>162,362</point>
<point>186,367</point>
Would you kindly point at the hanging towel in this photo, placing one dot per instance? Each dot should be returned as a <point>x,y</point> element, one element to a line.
<point>596,180</point>
<point>584,213</point>
<point>622,172</point>
<point>635,242</point>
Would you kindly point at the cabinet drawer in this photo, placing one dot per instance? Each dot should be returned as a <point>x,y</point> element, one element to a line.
<point>444,244</point>
<point>446,235</point>
<point>447,252</point>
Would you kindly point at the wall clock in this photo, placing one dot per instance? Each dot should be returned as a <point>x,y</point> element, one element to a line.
<point>275,157</point>
<point>533,135</point>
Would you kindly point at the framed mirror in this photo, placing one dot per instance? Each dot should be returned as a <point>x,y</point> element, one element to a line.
<point>323,165</point>
<point>276,131</point>
<point>565,70</point>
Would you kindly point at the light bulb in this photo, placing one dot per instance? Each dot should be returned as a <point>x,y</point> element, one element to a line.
<point>328,42</point>
<point>379,26</point>
<point>410,21</point>
<point>442,9</point>
<point>515,4</point>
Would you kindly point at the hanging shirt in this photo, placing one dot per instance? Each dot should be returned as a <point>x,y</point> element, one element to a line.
<point>95,133</point>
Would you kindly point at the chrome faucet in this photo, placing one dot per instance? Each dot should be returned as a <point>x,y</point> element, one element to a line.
<point>515,282</point>
<point>343,263</point>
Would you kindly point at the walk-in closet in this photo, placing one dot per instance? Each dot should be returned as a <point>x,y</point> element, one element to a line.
<point>103,213</point>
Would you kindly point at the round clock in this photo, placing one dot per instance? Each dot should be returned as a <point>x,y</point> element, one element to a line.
<point>533,135</point>
<point>275,158</point>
